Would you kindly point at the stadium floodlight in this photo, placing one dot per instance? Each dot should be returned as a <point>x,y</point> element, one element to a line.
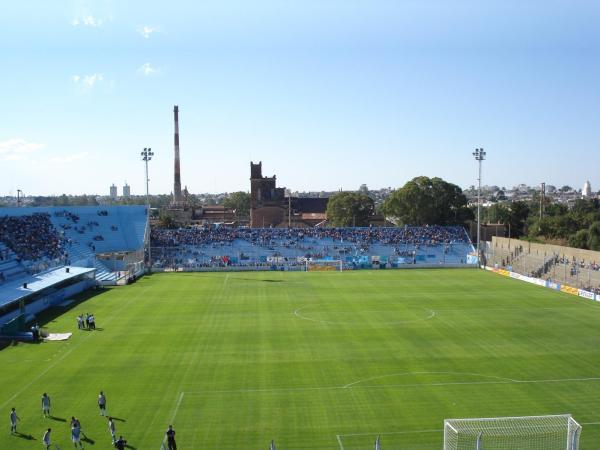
<point>558,432</point>
<point>479,155</point>
<point>147,155</point>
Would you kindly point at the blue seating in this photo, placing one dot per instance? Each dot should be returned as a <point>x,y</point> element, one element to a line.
<point>90,230</point>
<point>357,247</point>
<point>10,267</point>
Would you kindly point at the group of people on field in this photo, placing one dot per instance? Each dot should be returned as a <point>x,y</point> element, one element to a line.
<point>86,321</point>
<point>76,430</point>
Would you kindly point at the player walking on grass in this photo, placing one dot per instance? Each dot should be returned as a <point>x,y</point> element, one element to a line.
<point>113,430</point>
<point>102,403</point>
<point>171,438</point>
<point>46,405</point>
<point>13,421</point>
<point>120,444</point>
<point>76,436</point>
<point>46,439</point>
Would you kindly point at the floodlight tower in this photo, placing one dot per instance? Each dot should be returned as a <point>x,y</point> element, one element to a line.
<point>147,155</point>
<point>479,155</point>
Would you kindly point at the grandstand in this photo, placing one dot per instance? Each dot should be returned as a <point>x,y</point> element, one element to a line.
<point>47,254</point>
<point>563,265</point>
<point>108,238</point>
<point>242,248</point>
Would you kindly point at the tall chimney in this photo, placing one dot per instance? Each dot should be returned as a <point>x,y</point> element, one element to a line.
<point>177,199</point>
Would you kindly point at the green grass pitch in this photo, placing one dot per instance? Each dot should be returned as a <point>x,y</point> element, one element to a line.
<point>312,360</point>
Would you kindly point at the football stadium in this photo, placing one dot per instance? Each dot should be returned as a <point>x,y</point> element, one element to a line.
<point>291,338</point>
<point>379,284</point>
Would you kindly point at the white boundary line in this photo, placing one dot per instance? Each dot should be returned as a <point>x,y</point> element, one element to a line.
<point>402,374</point>
<point>339,439</point>
<point>399,322</point>
<point>177,405</point>
<point>439,430</point>
<point>383,386</point>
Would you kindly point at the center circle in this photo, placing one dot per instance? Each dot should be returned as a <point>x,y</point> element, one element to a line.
<point>382,316</point>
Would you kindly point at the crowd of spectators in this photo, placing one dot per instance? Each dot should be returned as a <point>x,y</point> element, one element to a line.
<point>195,246</point>
<point>267,237</point>
<point>32,237</point>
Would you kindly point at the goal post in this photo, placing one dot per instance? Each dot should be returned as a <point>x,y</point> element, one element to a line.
<point>556,432</point>
<point>324,265</point>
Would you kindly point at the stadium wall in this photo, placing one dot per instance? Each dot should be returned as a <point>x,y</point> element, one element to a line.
<point>546,283</point>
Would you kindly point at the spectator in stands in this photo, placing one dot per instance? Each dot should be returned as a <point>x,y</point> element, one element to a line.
<point>32,237</point>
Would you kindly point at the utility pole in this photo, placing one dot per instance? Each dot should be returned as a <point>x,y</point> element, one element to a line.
<point>147,155</point>
<point>479,155</point>
<point>542,200</point>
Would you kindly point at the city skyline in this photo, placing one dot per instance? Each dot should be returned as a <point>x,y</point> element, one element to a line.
<point>327,95</point>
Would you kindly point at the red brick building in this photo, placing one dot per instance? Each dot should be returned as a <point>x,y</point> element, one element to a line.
<point>271,208</point>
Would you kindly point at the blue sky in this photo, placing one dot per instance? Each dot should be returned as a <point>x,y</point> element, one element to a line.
<point>328,94</point>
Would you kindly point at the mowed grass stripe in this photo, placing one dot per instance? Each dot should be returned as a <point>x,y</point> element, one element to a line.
<point>225,356</point>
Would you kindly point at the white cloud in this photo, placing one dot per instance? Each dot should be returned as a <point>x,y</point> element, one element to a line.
<point>65,159</point>
<point>147,69</point>
<point>87,21</point>
<point>15,149</point>
<point>87,82</point>
<point>146,31</point>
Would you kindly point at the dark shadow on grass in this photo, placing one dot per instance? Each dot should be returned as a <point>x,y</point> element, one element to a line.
<point>58,419</point>
<point>27,437</point>
<point>88,440</point>
<point>51,314</point>
<point>130,446</point>
<point>118,418</point>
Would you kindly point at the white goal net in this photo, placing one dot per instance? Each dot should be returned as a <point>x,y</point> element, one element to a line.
<point>560,432</point>
<point>324,265</point>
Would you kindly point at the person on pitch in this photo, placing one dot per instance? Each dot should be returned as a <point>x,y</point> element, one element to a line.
<point>46,405</point>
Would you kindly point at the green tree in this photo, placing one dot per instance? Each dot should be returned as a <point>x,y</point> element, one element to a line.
<point>240,202</point>
<point>579,239</point>
<point>425,200</point>
<point>594,236</point>
<point>166,221</point>
<point>517,218</point>
<point>346,209</point>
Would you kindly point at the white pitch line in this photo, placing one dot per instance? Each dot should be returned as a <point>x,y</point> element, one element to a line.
<point>418,431</point>
<point>403,374</point>
<point>177,405</point>
<point>399,322</point>
<point>339,439</point>
<point>384,386</point>
<point>392,432</point>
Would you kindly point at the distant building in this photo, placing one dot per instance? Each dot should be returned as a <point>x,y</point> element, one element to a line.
<point>586,192</point>
<point>271,207</point>
<point>126,190</point>
<point>113,192</point>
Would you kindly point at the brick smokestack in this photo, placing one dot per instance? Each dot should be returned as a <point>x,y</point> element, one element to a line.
<point>177,199</point>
